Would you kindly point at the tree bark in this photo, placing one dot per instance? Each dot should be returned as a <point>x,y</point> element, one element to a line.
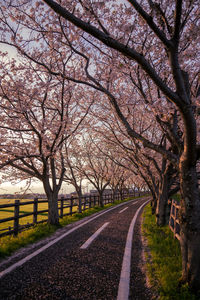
<point>53,216</point>
<point>162,202</point>
<point>52,196</point>
<point>154,198</point>
<point>190,225</point>
<point>153,204</point>
<point>79,201</point>
<point>101,199</point>
<point>162,210</point>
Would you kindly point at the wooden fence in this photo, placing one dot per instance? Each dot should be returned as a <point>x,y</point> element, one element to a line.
<point>174,223</point>
<point>66,206</point>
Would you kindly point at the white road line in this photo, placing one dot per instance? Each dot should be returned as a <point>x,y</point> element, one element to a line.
<point>27,258</point>
<point>123,289</point>
<point>135,202</point>
<point>121,211</point>
<point>93,237</point>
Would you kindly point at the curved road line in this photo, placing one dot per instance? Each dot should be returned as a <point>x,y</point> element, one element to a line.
<point>123,289</point>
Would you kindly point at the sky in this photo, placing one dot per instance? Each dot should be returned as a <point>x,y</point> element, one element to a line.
<point>36,187</point>
<point>10,188</point>
<point>11,50</point>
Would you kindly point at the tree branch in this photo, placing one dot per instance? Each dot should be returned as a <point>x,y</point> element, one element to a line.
<point>114,44</point>
<point>149,20</point>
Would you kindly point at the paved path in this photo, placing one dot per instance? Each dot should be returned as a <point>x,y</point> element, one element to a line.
<point>86,260</point>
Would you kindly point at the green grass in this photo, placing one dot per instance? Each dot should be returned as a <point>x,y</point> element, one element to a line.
<point>9,212</point>
<point>164,267</point>
<point>9,244</point>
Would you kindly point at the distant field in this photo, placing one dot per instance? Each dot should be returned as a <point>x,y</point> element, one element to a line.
<point>9,212</point>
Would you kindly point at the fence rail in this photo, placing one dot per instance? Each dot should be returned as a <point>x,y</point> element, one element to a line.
<point>174,223</point>
<point>66,206</point>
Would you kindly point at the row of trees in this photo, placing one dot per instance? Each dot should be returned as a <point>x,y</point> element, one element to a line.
<point>116,83</point>
<point>45,135</point>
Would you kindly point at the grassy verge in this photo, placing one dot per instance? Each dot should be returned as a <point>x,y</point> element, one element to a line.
<point>164,266</point>
<point>9,244</point>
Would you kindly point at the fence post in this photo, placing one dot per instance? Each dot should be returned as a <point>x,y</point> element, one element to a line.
<point>80,203</point>
<point>71,205</point>
<point>35,210</point>
<point>171,220</point>
<point>61,206</point>
<point>16,216</point>
<point>84,204</point>
<point>90,201</point>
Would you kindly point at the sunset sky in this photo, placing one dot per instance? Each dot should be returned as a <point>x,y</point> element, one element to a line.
<point>36,187</point>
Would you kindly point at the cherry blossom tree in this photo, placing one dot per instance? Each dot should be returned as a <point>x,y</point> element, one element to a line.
<point>128,153</point>
<point>94,166</point>
<point>38,115</point>
<point>72,161</point>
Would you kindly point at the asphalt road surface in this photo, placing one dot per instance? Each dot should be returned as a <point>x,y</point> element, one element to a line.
<point>99,257</point>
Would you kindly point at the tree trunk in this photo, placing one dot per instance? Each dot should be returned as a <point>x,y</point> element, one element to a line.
<point>101,199</point>
<point>53,216</point>
<point>190,225</point>
<point>153,204</point>
<point>162,211</point>
<point>162,203</point>
<point>154,193</point>
<point>121,194</point>
<point>79,193</point>
<point>52,196</point>
<point>80,202</point>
